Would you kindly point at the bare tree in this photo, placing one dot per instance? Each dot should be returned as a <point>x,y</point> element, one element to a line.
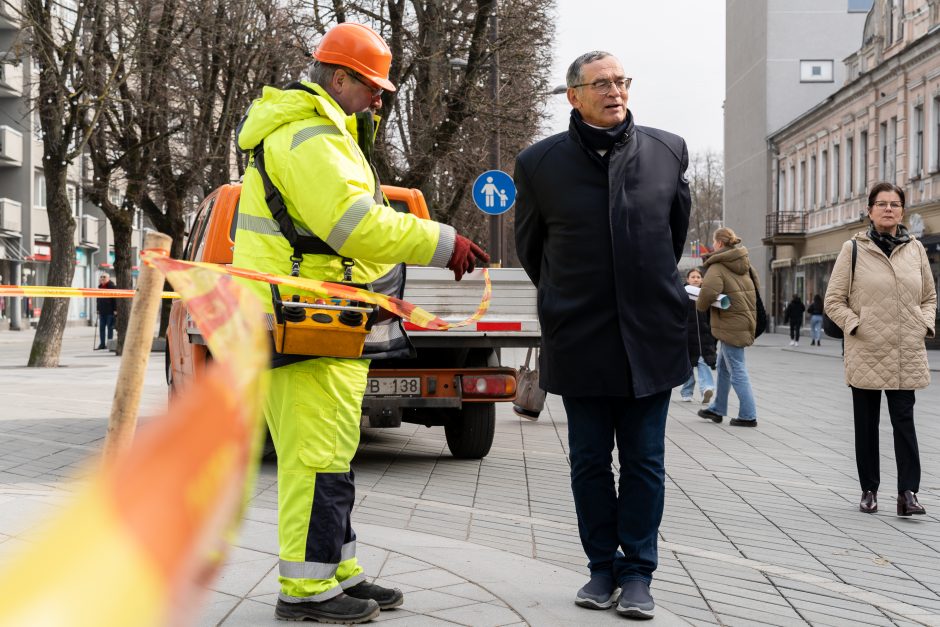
<point>442,119</point>
<point>706,184</point>
<point>54,38</point>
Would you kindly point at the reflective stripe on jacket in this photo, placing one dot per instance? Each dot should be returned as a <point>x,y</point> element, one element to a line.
<point>312,156</point>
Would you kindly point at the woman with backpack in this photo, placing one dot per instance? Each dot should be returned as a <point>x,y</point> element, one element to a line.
<point>728,271</point>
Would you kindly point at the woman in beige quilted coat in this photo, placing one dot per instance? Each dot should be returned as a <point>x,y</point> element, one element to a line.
<point>886,308</point>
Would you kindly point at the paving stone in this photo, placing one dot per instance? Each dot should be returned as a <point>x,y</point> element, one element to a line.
<point>479,615</point>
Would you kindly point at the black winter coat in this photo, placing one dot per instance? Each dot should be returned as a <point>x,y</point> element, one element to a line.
<point>600,238</point>
<point>701,341</point>
<point>106,306</point>
<point>794,312</point>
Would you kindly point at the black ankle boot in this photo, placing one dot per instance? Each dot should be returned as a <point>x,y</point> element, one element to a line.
<point>908,505</point>
<point>342,609</point>
<point>387,598</point>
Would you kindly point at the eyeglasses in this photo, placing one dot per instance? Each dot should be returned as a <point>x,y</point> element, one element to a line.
<point>884,204</point>
<point>376,91</point>
<point>602,86</point>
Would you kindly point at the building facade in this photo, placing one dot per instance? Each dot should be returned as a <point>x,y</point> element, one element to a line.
<point>24,221</point>
<point>883,123</point>
<point>782,58</point>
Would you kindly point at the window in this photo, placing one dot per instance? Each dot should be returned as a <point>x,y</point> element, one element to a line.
<point>39,190</point>
<point>72,193</point>
<point>801,197</point>
<point>823,178</point>
<point>781,181</point>
<point>895,17</point>
<point>849,167</point>
<point>918,148</point>
<point>891,151</point>
<point>860,6</point>
<point>935,153</point>
<point>812,182</point>
<point>863,161</point>
<point>816,71</point>
<point>836,167</point>
<point>791,190</point>
<point>883,151</point>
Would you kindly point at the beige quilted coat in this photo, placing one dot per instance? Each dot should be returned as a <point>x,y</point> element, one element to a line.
<point>890,310</point>
<point>727,271</point>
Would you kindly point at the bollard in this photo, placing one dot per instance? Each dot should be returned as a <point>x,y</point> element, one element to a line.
<point>137,346</point>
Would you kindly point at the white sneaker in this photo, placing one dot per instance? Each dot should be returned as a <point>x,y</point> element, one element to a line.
<point>796,343</point>
<point>792,343</point>
<point>686,399</point>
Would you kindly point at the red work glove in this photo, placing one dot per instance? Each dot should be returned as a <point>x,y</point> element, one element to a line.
<point>466,257</point>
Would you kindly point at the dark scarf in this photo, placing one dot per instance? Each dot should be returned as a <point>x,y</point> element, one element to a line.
<point>887,242</point>
<point>600,138</point>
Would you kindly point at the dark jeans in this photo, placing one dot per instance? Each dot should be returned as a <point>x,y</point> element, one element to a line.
<point>631,519</point>
<point>867,406</point>
<point>105,321</point>
<point>795,331</point>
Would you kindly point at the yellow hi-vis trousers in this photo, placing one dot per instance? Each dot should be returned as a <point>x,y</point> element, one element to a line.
<point>313,410</point>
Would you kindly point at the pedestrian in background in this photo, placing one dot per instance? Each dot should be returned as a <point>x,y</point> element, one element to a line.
<point>886,308</point>
<point>815,311</point>
<point>728,271</point>
<point>794,315</point>
<point>601,219</point>
<point>107,311</point>
<point>702,352</point>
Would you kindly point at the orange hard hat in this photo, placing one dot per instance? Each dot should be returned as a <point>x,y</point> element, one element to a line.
<point>359,48</point>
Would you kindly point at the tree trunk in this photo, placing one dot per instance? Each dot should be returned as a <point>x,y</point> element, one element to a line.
<point>123,230</point>
<point>47,344</point>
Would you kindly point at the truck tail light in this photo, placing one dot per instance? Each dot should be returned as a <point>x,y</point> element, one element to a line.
<point>488,386</point>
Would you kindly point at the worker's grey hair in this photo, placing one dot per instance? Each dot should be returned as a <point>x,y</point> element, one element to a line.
<point>322,73</point>
<point>574,70</point>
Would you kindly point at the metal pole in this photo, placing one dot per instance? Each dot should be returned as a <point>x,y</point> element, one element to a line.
<point>496,222</point>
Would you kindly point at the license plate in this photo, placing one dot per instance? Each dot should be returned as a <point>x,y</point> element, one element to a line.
<point>393,386</point>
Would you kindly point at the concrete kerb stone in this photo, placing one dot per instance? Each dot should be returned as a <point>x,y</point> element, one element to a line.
<point>541,593</point>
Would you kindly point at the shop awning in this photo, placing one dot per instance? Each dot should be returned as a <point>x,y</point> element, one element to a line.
<point>781,263</point>
<point>820,258</point>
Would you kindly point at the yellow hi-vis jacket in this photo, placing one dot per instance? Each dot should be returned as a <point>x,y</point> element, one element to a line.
<point>312,156</point>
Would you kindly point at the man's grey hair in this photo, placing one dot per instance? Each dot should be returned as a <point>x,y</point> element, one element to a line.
<point>574,70</point>
<point>322,73</point>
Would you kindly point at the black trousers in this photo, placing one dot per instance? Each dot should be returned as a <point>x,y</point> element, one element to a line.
<point>795,330</point>
<point>867,406</point>
<point>626,518</point>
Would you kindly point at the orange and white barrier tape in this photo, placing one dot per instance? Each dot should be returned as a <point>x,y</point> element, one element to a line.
<point>411,314</point>
<point>140,541</point>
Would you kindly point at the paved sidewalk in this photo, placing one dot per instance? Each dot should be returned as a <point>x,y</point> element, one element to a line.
<point>761,525</point>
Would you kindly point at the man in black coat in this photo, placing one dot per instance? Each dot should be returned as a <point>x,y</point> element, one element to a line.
<point>107,310</point>
<point>601,218</point>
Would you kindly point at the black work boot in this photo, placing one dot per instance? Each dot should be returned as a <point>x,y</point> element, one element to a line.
<point>342,609</point>
<point>387,598</point>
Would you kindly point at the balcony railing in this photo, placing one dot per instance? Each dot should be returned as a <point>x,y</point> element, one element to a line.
<point>89,230</point>
<point>11,79</point>
<point>786,223</point>
<point>11,146</point>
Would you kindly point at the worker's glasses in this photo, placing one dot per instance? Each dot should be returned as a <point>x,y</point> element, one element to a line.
<point>602,86</point>
<point>884,204</point>
<point>376,91</point>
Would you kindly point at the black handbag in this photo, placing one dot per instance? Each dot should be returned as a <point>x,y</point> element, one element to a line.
<point>830,328</point>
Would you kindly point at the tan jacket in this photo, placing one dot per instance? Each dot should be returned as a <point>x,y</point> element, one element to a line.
<point>890,310</point>
<point>727,271</point>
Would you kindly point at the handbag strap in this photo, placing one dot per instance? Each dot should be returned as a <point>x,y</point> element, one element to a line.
<point>528,356</point>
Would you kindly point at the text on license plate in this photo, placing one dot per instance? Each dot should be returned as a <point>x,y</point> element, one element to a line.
<point>393,386</point>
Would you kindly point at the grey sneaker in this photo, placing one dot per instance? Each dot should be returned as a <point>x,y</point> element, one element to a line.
<point>599,593</point>
<point>636,600</point>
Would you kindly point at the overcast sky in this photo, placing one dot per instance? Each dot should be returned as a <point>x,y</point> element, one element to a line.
<point>673,49</point>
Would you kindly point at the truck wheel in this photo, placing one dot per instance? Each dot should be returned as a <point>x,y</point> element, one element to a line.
<point>470,430</point>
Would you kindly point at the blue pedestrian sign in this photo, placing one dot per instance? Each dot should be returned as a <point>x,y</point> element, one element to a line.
<point>494,192</point>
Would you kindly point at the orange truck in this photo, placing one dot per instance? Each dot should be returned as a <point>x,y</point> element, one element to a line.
<point>455,379</point>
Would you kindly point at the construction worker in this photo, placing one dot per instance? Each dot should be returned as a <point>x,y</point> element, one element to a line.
<point>306,140</point>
